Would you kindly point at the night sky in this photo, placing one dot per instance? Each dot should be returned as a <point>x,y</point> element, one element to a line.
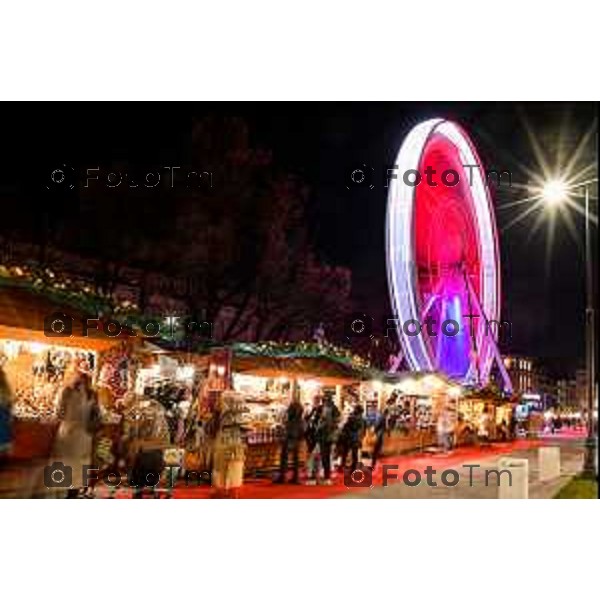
<point>322,143</point>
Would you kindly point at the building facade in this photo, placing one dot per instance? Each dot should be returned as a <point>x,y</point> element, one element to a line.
<point>566,392</point>
<point>531,380</point>
<point>522,374</point>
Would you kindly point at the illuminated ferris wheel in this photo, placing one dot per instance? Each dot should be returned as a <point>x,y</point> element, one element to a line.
<point>443,261</point>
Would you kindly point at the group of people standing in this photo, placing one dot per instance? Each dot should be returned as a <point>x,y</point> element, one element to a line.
<point>325,435</point>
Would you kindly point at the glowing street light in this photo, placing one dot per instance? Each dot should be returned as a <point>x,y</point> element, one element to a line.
<point>554,192</point>
<point>559,187</point>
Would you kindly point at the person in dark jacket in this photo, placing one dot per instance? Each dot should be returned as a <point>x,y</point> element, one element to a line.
<point>352,434</point>
<point>326,431</point>
<point>294,431</point>
<point>380,429</point>
<point>312,421</point>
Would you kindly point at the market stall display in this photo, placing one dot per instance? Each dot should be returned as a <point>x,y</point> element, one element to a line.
<point>268,375</point>
<point>413,402</point>
<point>146,437</point>
<point>483,409</point>
<point>37,372</point>
<point>37,361</point>
<point>264,404</point>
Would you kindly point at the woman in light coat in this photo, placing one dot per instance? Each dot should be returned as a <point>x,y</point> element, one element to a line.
<point>73,445</point>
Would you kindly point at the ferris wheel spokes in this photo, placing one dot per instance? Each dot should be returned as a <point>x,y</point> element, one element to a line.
<point>442,254</point>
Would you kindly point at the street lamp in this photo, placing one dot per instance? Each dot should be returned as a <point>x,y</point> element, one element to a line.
<point>555,192</point>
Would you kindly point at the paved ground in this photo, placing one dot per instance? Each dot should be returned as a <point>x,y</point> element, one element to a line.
<point>27,482</point>
<point>472,482</point>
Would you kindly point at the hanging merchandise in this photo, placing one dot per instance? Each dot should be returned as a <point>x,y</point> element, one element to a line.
<point>36,373</point>
<point>114,374</point>
<point>424,413</point>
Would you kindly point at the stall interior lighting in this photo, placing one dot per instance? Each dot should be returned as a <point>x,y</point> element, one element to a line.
<point>309,384</point>
<point>409,387</point>
<point>249,382</point>
<point>12,348</point>
<point>454,392</point>
<point>185,373</point>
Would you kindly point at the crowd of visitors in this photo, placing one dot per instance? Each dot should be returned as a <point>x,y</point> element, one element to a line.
<point>329,438</point>
<point>332,442</point>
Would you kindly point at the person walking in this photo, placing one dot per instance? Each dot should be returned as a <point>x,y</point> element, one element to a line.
<point>79,417</point>
<point>6,404</point>
<point>294,430</point>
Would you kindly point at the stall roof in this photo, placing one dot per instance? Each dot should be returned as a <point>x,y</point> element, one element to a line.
<point>394,378</point>
<point>321,368</point>
<point>327,363</point>
<point>23,313</point>
<point>279,360</point>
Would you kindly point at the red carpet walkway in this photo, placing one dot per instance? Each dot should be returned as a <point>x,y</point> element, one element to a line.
<point>265,489</point>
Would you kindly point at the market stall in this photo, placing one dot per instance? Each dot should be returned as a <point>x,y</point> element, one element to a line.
<point>172,379</point>
<point>483,409</point>
<point>37,365</point>
<point>170,382</point>
<point>267,376</point>
<point>414,402</point>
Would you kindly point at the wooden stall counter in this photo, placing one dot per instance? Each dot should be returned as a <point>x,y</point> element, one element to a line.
<point>32,439</point>
<point>400,442</point>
